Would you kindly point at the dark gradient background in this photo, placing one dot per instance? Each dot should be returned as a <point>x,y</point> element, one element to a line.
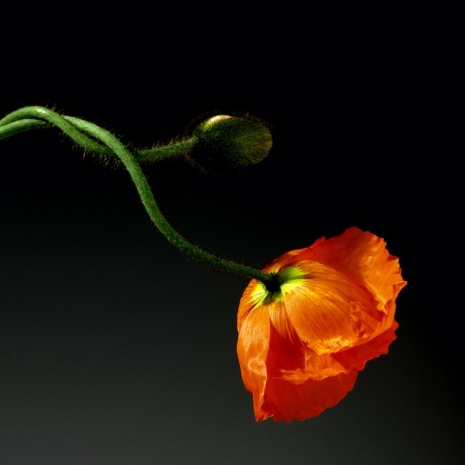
<point>116,349</point>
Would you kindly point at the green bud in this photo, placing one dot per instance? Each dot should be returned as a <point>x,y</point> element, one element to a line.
<point>227,142</point>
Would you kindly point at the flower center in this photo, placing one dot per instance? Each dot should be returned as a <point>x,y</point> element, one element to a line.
<point>275,284</point>
<point>281,284</point>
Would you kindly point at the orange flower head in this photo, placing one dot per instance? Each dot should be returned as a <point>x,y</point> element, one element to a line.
<point>302,344</point>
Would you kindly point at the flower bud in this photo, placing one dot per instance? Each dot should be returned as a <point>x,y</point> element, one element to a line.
<point>225,142</point>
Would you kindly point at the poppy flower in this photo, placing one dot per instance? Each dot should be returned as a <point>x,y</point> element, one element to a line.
<point>302,344</point>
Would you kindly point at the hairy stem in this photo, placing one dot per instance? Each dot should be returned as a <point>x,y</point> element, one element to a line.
<point>36,117</point>
<point>91,137</point>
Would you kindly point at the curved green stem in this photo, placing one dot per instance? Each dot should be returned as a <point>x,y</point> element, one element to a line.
<point>35,117</point>
<point>44,114</point>
<point>150,205</point>
<point>73,127</point>
<point>157,153</point>
<point>16,127</point>
<point>166,151</point>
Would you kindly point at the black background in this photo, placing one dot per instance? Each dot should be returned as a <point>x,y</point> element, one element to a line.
<point>115,348</point>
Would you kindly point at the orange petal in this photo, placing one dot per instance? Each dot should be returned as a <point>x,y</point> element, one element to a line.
<point>329,311</point>
<point>287,401</point>
<point>252,351</point>
<point>359,355</point>
<point>362,257</point>
<point>318,367</point>
<point>266,358</point>
<point>291,359</point>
